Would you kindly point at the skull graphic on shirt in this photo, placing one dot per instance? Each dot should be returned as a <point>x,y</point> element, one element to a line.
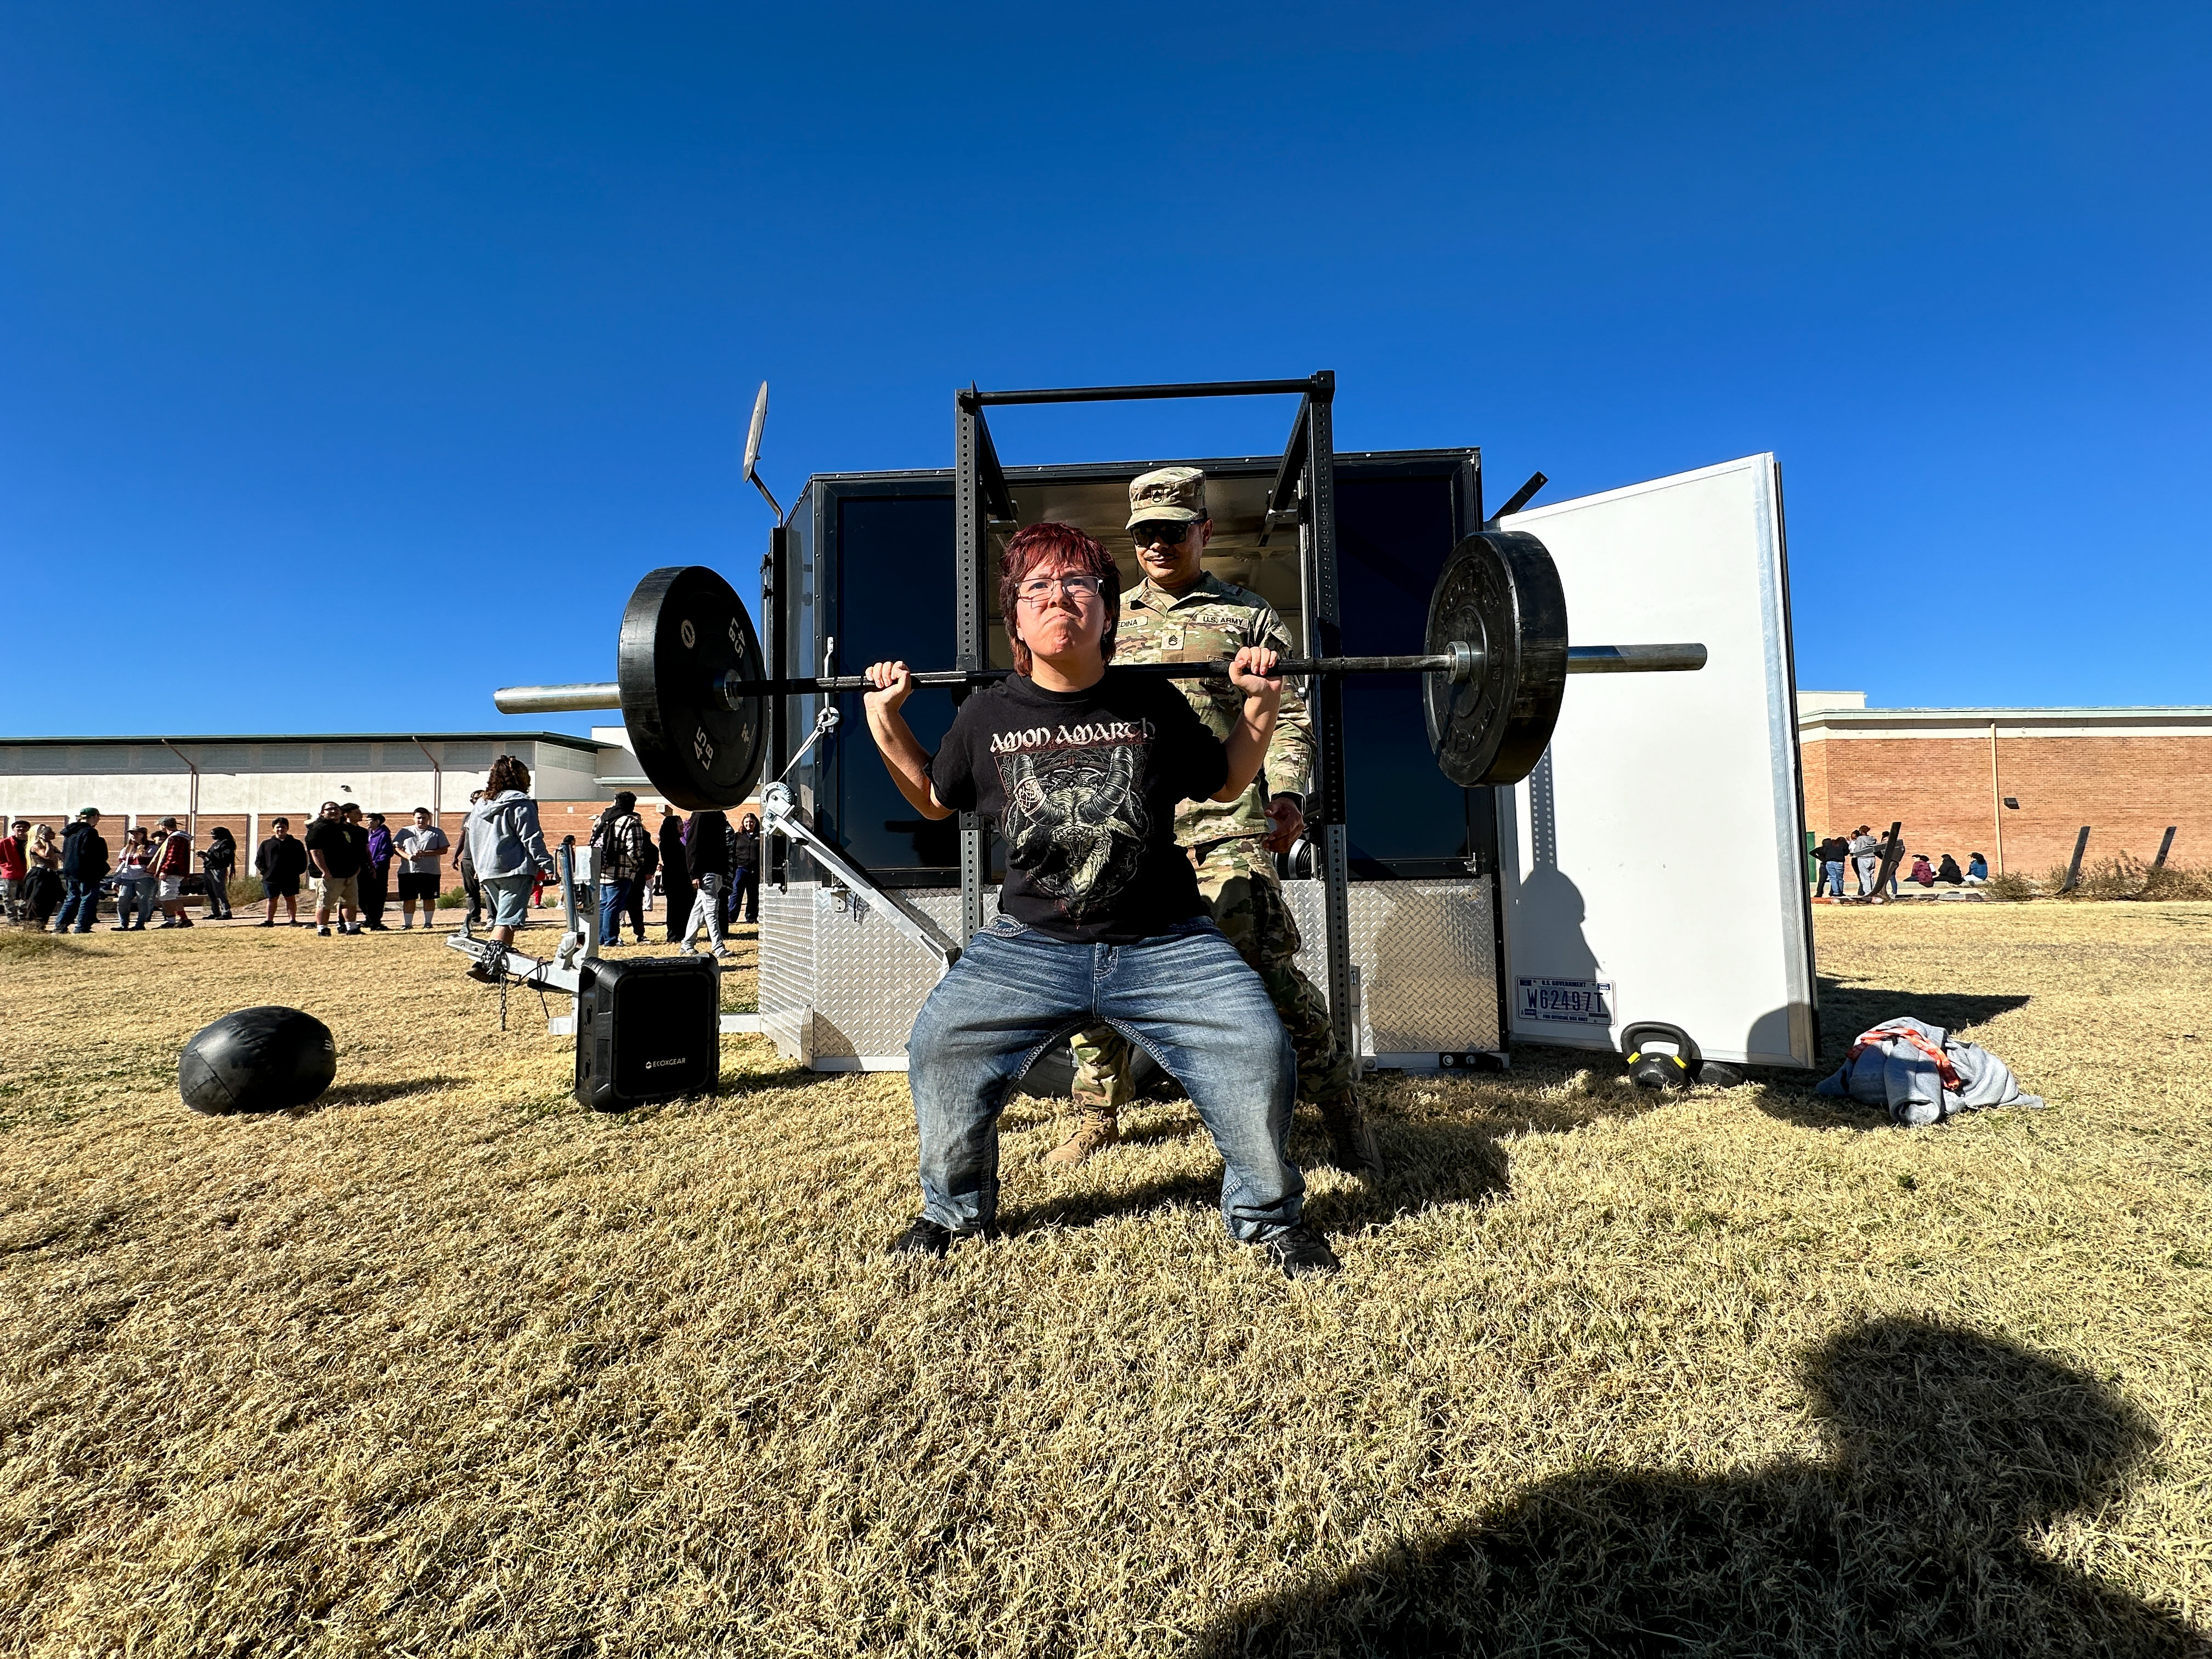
<point>1075,821</point>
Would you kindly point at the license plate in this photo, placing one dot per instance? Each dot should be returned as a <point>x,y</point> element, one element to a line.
<point>1567,1001</point>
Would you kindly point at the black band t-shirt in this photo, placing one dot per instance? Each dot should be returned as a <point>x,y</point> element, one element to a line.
<point>1082,786</point>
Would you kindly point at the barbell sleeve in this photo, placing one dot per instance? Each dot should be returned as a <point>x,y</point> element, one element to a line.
<point>1635,658</point>
<point>556,699</point>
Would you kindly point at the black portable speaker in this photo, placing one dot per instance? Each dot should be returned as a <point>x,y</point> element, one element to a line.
<point>647,1029</point>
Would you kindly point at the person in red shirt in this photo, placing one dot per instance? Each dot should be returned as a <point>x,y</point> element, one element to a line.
<point>14,869</point>
<point>173,862</point>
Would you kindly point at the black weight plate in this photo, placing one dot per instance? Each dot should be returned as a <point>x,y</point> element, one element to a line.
<point>1500,592</point>
<point>685,628</point>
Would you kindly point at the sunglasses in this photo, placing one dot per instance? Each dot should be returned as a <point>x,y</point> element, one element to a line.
<point>1167,533</point>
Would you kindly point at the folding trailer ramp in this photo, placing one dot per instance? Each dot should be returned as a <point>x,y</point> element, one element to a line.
<point>1651,868</point>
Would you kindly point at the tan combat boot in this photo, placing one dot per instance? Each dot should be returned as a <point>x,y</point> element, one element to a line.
<point>1351,1136</point>
<point>1095,1128</point>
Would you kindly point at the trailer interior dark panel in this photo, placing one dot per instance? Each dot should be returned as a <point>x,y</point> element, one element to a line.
<point>894,600</point>
<point>1394,535</point>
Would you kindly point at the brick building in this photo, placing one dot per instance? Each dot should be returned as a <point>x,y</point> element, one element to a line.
<point>2016,784</point>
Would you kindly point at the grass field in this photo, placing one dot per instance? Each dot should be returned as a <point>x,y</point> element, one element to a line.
<point>447,1365</point>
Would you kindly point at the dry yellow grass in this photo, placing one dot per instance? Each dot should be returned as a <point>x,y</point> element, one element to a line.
<point>447,1365</point>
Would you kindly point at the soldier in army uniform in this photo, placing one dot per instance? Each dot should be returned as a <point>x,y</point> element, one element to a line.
<point>1178,613</point>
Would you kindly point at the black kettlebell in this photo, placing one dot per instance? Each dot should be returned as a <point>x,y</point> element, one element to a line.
<point>1651,1068</point>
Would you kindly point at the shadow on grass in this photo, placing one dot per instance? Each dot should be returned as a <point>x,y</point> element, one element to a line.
<point>369,1094</point>
<point>1847,1009</point>
<point>780,1073</point>
<point>1948,1450</point>
<point>1430,1159</point>
<point>1087,1207</point>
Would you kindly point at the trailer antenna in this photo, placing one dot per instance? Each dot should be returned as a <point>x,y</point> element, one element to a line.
<point>752,453</point>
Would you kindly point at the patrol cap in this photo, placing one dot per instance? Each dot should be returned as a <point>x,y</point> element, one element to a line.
<point>1175,494</point>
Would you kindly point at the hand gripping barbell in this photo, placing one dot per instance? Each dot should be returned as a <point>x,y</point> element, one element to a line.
<point>693,691</point>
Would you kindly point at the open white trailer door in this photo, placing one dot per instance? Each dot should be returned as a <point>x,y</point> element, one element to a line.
<point>1652,867</point>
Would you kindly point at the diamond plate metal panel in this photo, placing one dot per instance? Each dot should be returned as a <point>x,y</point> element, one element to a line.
<point>869,980</point>
<point>1425,953</point>
<point>1427,961</point>
<point>787,968</point>
<point>862,980</point>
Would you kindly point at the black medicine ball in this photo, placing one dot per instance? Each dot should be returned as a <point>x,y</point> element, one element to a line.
<point>258,1060</point>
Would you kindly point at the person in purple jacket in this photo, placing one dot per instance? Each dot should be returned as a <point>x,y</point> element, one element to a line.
<point>376,875</point>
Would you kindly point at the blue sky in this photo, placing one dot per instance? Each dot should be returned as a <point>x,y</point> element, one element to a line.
<point>354,361</point>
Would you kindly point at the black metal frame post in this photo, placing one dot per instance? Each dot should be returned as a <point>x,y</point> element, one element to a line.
<point>970,532</point>
<point>1305,484</point>
<point>1325,614</point>
<point>774,631</point>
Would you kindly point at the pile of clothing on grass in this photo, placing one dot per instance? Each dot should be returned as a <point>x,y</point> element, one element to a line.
<point>1920,1073</point>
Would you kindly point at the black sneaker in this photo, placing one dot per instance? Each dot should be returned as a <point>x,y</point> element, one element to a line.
<point>924,1238</point>
<point>1300,1253</point>
<point>322,933</point>
<point>268,924</point>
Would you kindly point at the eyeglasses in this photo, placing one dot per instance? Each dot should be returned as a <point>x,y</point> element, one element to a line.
<point>1168,532</point>
<point>1038,590</point>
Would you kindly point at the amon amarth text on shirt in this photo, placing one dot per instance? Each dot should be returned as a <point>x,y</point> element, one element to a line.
<point>1082,786</point>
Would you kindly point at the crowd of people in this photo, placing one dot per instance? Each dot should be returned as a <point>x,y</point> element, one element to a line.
<point>352,865</point>
<point>1861,854</point>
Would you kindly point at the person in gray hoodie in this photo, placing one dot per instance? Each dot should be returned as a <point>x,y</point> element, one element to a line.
<point>507,848</point>
<point>1866,857</point>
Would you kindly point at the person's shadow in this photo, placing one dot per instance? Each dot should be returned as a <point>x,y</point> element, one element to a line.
<point>1948,1450</point>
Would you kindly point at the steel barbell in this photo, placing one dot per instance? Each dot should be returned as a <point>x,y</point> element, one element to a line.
<point>693,691</point>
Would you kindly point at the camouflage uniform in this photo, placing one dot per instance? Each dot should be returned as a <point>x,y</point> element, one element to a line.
<point>1226,842</point>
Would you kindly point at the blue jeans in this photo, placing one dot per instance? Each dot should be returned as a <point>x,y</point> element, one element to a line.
<point>133,896</point>
<point>507,898</point>
<point>614,899</point>
<point>1186,997</point>
<point>1832,878</point>
<point>79,904</point>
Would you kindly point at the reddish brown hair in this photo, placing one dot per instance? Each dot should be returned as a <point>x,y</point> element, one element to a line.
<point>1056,546</point>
